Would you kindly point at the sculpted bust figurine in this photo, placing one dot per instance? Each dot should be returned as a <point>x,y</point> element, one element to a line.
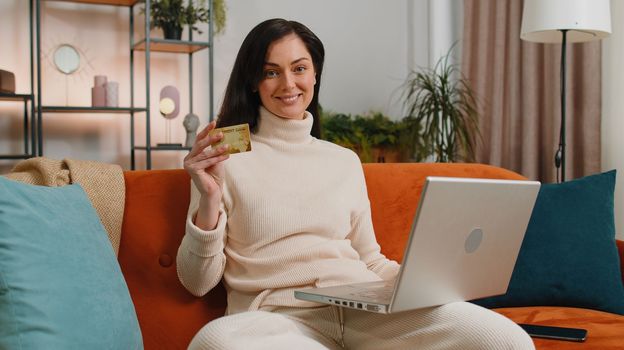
<point>191,124</point>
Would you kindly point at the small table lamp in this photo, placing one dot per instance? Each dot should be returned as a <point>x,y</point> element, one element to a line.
<point>562,21</point>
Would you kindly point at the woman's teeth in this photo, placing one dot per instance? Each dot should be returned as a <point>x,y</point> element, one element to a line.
<point>289,99</point>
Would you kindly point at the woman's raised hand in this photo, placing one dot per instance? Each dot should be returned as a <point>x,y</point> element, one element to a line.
<point>205,164</point>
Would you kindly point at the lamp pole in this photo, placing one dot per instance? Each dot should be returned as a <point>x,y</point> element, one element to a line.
<point>561,154</point>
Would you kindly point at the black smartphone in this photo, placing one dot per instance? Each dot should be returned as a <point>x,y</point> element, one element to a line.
<point>551,332</point>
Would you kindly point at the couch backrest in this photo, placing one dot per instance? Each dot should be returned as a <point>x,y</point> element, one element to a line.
<point>394,191</point>
<point>153,226</point>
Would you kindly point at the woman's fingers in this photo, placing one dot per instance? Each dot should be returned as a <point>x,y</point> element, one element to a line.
<point>211,126</point>
<point>203,159</point>
<point>199,170</point>
<point>203,142</point>
<point>207,129</point>
<point>211,152</point>
<point>207,153</point>
<point>206,163</point>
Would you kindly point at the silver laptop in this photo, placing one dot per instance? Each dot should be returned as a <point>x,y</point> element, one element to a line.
<point>463,245</point>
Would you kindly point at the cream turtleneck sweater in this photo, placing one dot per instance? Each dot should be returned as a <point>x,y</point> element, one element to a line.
<point>295,214</point>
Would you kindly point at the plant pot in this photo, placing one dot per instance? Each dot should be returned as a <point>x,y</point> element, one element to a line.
<point>172,31</point>
<point>386,155</point>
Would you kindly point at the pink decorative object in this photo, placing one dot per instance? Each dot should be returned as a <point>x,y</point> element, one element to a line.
<point>98,96</point>
<point>7,82</point>
<point>99,80</point>
<point>112,94</point>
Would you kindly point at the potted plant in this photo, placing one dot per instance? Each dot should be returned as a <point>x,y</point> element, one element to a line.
<point>441,102</point>
<point>374,137</point>
<point>172,15</point>
<point>410,145</point>
<point>337,128</point>
<point>380,135</point>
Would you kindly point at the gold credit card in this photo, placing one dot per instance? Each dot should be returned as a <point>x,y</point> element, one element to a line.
<point>237,136</point>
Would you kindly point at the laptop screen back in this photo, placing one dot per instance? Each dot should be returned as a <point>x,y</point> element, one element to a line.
<point>465,240</point>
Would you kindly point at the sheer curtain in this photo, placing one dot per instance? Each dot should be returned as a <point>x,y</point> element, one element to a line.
<point>517,85</point>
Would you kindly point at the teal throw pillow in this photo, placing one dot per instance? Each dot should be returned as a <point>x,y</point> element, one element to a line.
<point>61,286</point>
<point>569,256</point>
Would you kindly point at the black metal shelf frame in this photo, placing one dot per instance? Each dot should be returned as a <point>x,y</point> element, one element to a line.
<point>86,109</point>
<point>147,45</point>
<point>29,140</point>
<point>26,99</point>
<point>165,148</point>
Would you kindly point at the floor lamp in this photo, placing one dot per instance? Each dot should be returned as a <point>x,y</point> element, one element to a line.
<point>565,21</point>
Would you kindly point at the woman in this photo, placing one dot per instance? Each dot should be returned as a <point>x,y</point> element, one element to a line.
<point>294,213</point>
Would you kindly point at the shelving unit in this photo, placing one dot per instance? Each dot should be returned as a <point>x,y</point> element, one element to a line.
<point>27,99</point>
<point>189,47</point>
<point>29,140</point>
<point>146,45</point>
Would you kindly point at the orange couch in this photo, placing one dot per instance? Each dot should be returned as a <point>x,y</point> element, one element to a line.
<point>153,226</point>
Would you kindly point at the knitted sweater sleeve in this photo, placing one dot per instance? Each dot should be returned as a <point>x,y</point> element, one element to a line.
<point>363,238</point>
<point>200,259</point>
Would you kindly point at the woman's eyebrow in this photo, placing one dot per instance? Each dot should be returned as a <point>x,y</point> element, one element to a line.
<point>293,62</point>
<point>299,60</point>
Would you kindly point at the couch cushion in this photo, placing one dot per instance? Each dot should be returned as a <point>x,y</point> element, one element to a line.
<point>153,227</point>
<point>604,330</point>
<point>60,284</point>
<point>569,256</point>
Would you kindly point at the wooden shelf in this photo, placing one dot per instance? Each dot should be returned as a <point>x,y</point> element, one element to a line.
<point>75,109</point>
<point>104,2</point>
<point>14,97</point>
<point>176,46</point>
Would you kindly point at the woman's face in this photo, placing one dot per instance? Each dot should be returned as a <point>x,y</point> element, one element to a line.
<point>287,86</point>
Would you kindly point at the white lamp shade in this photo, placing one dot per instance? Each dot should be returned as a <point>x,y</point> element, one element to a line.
<point>585,20</point>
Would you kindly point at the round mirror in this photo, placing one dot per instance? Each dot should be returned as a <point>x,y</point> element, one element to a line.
<point>66,59</point>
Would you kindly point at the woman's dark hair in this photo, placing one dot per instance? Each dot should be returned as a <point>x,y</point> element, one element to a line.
<point>242,101</point>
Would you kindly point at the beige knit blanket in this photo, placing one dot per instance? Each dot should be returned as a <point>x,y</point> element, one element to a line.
<point>103,183</point>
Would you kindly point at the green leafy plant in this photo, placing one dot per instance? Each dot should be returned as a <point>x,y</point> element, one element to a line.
<point>220,16</point>
<point>442,102</point>
<point>338,128</point>
<point>172,15</point>
<point>410,143</point>
<point>371,136</point>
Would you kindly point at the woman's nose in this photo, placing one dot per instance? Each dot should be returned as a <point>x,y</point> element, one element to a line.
<point>288,81</point>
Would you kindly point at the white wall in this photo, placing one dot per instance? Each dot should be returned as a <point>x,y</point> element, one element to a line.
<point>365,44</point>
<point>370,47</point>
<point>613,107</point>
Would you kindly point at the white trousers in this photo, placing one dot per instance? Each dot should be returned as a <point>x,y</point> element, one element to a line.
<point>458,325</point>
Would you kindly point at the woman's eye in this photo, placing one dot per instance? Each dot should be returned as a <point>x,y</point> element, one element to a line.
<point>270,74</point>
<point>300,69</point>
